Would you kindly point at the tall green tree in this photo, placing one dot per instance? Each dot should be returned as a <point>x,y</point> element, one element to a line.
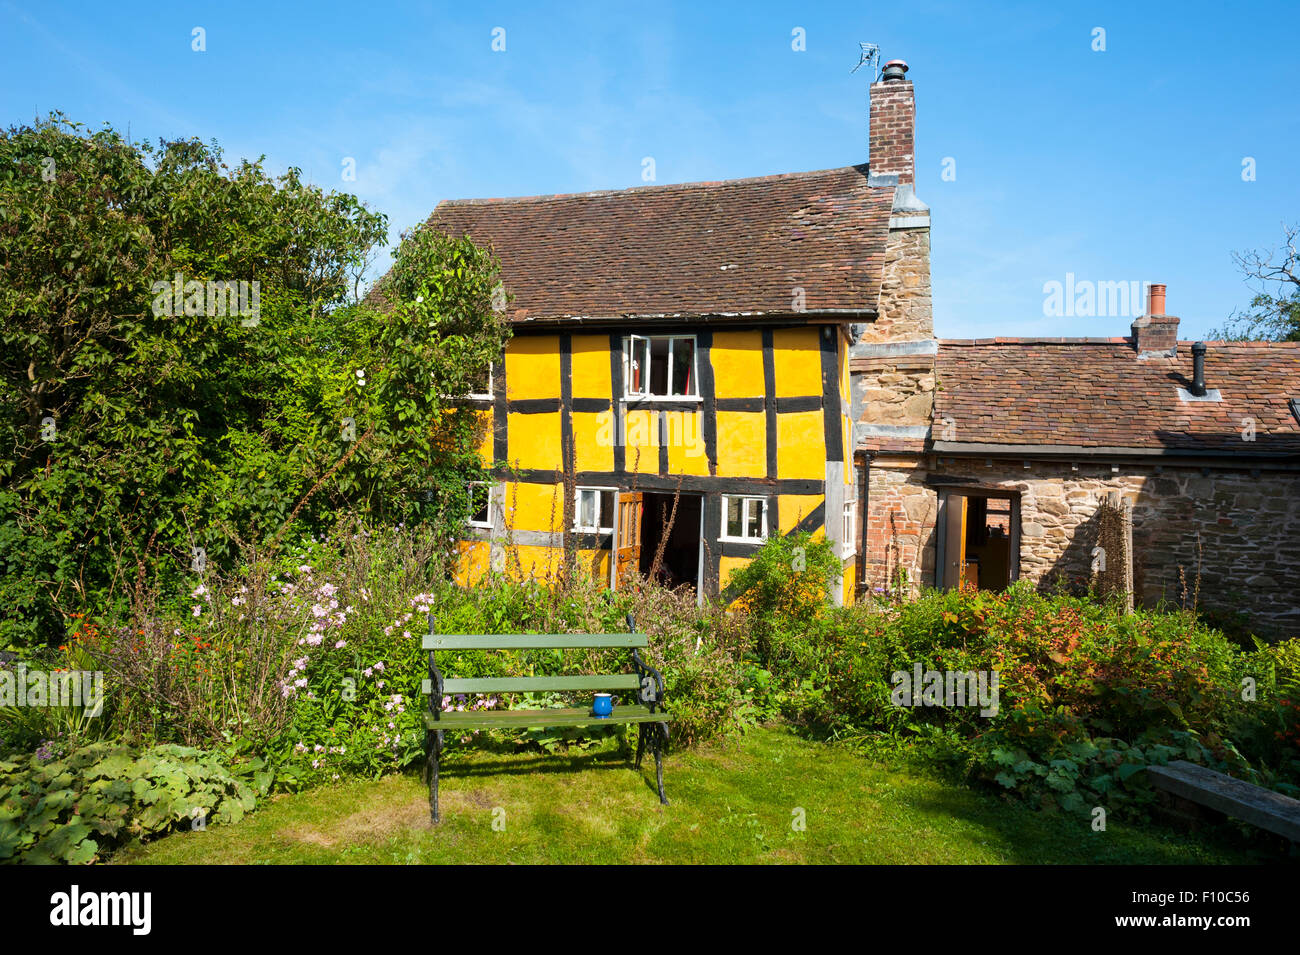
<point>147,410</point>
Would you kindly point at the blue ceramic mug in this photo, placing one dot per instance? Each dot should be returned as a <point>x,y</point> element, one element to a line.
<point>603,705</point>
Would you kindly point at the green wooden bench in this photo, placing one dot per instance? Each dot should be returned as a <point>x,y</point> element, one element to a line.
<point>645,680</point>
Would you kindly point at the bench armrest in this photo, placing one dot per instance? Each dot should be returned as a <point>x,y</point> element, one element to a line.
<point>652,698</point>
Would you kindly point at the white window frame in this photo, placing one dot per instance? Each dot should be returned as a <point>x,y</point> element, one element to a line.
<point>599,528</point>
<point>630,342</point>
<point>486,525</point>
<point>849,528</point>
<point>488,393</point>
<point>745,501</point>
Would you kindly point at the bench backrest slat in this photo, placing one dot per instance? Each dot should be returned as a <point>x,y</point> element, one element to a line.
<point>535,684</point>
<point>531,641</point>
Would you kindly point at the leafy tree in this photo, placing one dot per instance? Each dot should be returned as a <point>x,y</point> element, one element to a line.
<point>137,424</point>
<point>1274,313</point>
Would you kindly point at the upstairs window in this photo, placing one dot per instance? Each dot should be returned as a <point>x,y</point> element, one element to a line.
<point>744,519</point>
<point>594,509</point>
<point>659,366</point>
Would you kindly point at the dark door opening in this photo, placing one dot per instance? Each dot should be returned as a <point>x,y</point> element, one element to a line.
<point>979,540</point>
<point>679,562</point>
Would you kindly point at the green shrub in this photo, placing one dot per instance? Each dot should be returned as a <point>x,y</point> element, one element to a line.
<point>1086,692</point>
<point>74,809</point>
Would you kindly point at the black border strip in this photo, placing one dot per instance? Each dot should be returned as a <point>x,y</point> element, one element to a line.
<point>709,423</point>
<point>769,399</point>
<point>615,396</point>
<point>500,414</point>
<point>783,405</point>
<point>831,401</point>
<point>662,423</point>
<point>696,483</point>
<point>566,404</point>
<point>552,405</point>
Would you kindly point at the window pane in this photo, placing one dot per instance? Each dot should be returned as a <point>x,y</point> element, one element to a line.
<point>636,365</point>
<point>658,366</point>
<point>754,522</point>
<point>731,509</point>
<point>586,508</point>
<point>478,497</point>
<point>482,382</point>
<point>683,366</point>
<point>606,509</point>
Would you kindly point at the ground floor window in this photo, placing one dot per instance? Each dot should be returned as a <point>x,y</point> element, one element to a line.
<point>480,504</point>
<point>594,509</point>
<point>849,542</point>
<point>744,518</point>
<point>482,387</point>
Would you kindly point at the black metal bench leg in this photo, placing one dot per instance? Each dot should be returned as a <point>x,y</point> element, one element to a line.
<point>661,738</point>
<point>640,744</point>
<point>434,747</point>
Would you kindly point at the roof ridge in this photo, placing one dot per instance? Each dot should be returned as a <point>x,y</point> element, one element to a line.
<point>1114,340</point>
<point>1035,340</point>
<point>658,187</point>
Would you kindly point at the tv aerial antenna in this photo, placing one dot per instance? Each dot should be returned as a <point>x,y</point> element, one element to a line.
<point>870,55</point>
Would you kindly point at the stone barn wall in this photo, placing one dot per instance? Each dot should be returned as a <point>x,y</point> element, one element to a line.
<point>1237,533</point>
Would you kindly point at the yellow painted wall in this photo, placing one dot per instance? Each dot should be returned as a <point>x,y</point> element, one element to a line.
<point>590,367</point>
<point>594,435</point>
<point>799,442</point>
<point>742,444</point>
<point>533,366</point>
<point>472,561</point>
<point>795,507</point>
<point>534,441</point>
<point>737,360</point>
<point>686,451</point>
<point>797,360</point>
<point>534,507</point>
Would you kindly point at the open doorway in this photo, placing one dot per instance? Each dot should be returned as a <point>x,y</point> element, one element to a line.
<point>979,539</point>
<point>679,533</point>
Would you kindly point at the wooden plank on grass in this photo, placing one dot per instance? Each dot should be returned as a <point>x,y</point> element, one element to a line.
<point>1234,797</point>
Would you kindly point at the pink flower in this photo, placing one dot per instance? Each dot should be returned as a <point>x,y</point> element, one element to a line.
<point>340,645</point>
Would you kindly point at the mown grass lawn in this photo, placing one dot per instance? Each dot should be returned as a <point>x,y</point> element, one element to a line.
<point>730,803</point>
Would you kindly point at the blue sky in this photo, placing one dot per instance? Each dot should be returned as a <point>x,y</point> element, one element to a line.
<point>1118,165</point>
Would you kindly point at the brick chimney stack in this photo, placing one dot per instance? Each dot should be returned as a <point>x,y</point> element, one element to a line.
<point>1155,333</point>
<point>893,124</point>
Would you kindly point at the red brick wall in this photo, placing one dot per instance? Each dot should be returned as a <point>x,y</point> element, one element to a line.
<point>893,130</point>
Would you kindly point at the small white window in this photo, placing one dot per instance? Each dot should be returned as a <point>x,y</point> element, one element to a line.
<point>849,542</point>
<point>480,503</point>
<point>594,509</point>
<point>483,386</point>
<point>659,366</point>
<point>744,519</point>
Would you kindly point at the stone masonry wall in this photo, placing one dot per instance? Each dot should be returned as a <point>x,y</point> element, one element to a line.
<point>1237,534</point>
<point>905,311</point>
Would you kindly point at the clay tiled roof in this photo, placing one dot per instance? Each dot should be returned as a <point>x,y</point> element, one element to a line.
<point>1095,393</point>
<point>710,248</point>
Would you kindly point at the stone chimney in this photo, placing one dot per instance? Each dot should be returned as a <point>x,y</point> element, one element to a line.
<point>893,124</point>
<point>1155,333</point>
<point>892,360</point>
